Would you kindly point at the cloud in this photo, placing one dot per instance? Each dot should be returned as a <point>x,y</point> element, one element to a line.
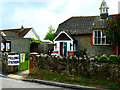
<point>0,15</point>
<point>55,4</point>
<point>41,17</point>
<point>40,20</point>
<point>113,6</point>
<point>25,0</point>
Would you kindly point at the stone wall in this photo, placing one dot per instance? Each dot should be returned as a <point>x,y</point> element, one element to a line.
<point>77,66</point>
<point>4,63</point>
<point>1,58</point>
<point>94,50</point>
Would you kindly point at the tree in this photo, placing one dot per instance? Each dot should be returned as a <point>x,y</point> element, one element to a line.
<point>51,34</point>
<point>113,31</point>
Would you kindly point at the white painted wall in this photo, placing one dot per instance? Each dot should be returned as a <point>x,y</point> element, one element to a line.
<point>30,34</point>
<point>58,45</point>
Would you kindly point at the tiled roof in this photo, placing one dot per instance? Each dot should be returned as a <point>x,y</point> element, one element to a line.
<point>1,38</point>
<point>16,32</point>
<point>82,24</point>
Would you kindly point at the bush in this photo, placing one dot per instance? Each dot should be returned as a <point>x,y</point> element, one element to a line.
<point>114,59</point>
<point>76,53</point>
<point>80,53</point>
<point>104,58</point>
<point>118,59</point>
<point>97,59</point>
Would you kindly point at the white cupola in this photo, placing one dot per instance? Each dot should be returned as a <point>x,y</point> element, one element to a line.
<point>103,10</point>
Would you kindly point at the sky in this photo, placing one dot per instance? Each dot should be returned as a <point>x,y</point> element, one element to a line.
<point>40,14</point>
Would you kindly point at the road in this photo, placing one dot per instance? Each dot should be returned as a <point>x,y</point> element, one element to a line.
<point>12,83</point>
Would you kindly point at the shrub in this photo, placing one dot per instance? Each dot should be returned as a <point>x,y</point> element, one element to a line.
<point>104,58</point>
<point>76,53</point>
<point>97,59</point>
<point>92,56</point>
<point>118,59</point>
<point>113,59</point>
<point>80,53</point>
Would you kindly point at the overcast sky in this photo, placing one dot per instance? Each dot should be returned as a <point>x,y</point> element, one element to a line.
<point>40,14</point>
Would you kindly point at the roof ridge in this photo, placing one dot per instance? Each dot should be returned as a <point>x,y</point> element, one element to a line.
<point>83,16</point>
<point>14,29</point>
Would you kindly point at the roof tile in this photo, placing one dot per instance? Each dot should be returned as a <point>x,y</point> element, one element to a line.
<point>82,24</point>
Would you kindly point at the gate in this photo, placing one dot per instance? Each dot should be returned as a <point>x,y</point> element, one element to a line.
<point>23,62</point>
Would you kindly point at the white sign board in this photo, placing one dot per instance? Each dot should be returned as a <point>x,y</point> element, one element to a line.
<point>13,60</point>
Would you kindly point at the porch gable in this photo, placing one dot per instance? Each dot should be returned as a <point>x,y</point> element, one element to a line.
<point>63,36</point>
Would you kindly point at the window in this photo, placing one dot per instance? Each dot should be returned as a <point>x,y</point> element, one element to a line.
<point>70,46</point>
<point>99,38</point>
<point>6,46</point>
<point>103,10</point>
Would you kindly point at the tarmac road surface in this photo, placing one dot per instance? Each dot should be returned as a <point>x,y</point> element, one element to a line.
<point>13,83</point>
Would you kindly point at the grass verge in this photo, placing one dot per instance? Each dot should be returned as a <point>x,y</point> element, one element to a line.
<point>91,82</point>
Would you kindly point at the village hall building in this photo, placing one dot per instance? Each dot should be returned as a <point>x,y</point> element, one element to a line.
<point>17,40</point>
<point>84,33</point>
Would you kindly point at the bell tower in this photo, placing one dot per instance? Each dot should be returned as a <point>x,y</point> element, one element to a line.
<point>103,10</point>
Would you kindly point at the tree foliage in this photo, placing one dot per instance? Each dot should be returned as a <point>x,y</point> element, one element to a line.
<point>33,40</point>
<point>113,30</point>
<point>51,34</point>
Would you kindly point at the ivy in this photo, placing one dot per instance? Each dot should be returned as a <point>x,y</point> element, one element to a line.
<point>113,30</point>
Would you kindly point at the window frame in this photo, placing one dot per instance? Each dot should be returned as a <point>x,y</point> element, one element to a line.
<point>96,38</point>
<point>5,46</point>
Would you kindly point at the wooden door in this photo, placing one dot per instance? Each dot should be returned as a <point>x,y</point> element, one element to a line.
<point>65,48</point>
<point>61,48</point>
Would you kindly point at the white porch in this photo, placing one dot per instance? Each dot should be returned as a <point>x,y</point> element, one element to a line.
<point>63,44</point>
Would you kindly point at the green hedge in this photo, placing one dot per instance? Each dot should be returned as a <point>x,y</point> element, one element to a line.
<point>114,59</point>
<point>105,59</point>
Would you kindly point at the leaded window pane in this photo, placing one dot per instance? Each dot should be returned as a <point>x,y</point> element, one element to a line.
<point>103,40</point>
<point>99,37</point>
<point>98,40</point>
<point>96,34</point>
<point>99,33</point>
<point>95,40</point>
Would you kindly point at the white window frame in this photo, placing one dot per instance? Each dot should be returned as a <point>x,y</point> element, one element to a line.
<point>5,46</point>
<point>101,38</point>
